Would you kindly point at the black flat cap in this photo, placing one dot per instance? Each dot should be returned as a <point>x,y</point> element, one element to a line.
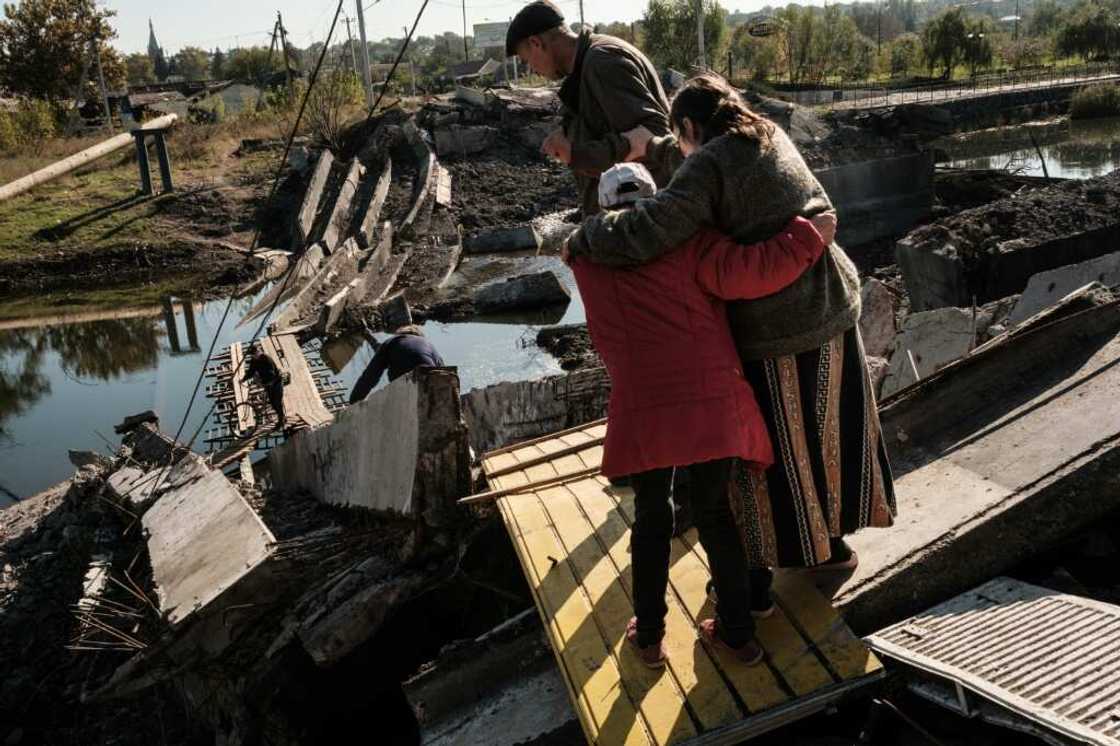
<point>535,18</point>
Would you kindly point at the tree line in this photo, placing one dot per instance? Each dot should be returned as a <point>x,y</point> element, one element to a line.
<point>45,44</point>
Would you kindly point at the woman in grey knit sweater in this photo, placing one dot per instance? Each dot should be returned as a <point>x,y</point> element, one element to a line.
<point>800,348</point>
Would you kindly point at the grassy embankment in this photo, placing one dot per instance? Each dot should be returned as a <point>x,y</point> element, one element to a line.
<point>99,210</point>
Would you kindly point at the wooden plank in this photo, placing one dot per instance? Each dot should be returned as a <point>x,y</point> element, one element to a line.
<point>659,699</point>
<point>690,664</point>
<point>587,660</point>
<point>590,427</point>
<point>757,686</point>
<point>589,729</point>
<point>791,652</point>
<point>246,419</point>
<point>301,397</point>
<point>846,654</point>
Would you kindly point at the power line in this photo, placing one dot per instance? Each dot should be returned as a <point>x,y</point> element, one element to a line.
<point>252,247</point>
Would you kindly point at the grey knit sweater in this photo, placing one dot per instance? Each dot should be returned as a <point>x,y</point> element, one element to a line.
<point>749,190</point>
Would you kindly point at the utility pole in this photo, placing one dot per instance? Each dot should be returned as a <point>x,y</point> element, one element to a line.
<point>1016,20</point>
<point>879,29</point>
<point>581,15</point>
<point>95,42</point>
<point>353,53</point>
<point>466,54</point>
<point>364,58</point>
<point>263,78</point>
<point>700,32</point>
<point>287,59</point>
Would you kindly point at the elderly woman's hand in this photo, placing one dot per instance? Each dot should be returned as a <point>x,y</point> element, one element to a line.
<point>638,138</point>
<point>825,223</point>
<point>565,251</point>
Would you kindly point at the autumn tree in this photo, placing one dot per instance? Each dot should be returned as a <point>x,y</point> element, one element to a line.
<point>670,32</point>
<point>905,54</point>
<point>140,70</point>
<point>218,65</point>
<point>1092,31</point>
<point>253,64</point>
<point>44,45</point>
<point>943,40</point>
<point>193,63</point>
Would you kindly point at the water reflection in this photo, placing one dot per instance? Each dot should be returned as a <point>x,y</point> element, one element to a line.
<point>1072,150</point>
<point>66,379</point>
<point>69,377</point>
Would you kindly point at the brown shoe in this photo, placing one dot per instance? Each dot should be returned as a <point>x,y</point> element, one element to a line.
<point>651,656</point>
<point>750,653</point>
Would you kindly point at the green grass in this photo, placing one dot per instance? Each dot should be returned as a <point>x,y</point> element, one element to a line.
<point>69,302</point>
<point>100,207</point>
<point>1094,101</point>
<point>93,209</point>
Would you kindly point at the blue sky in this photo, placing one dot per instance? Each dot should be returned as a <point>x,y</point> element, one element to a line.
<point>210,23</point>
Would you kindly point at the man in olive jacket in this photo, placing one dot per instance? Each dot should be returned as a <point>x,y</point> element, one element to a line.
<point>609,87</point>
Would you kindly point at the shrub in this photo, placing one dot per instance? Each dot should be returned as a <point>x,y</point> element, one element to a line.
<point>1095,101</point>
<point>9,135</point>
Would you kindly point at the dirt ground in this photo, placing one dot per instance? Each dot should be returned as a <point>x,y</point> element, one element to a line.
<point>94,229</point>
<point>507,185</point>
<point>1050,213</point>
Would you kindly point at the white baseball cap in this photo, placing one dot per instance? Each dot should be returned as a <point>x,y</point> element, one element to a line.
<point>625,183</point>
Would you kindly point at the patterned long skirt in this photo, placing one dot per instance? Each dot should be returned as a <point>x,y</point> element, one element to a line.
<point>831,474</point>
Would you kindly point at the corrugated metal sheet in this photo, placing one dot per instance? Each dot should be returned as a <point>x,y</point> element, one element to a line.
<point>1051,657</point>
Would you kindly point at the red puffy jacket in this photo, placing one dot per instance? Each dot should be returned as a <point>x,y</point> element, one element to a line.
<point>678,394</point>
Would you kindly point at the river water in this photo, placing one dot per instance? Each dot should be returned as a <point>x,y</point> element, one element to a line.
<point>1071,149</point>
<point>65,382</point>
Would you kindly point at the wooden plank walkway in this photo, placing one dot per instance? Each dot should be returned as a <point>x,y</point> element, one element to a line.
<point>573,541</point>
<point>301,397</point>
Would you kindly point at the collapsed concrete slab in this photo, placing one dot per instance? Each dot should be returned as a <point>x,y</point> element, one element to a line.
<point>426,177</point>
<point>203,538</point>
<point>877,324</point>
<point>878,198</point>
<point>520,238</point>
<point>375,200</point>
<point>339,269</point>
<point>395,312</point>
<point>522,292</point>
<point>459,140</point>
<point>305,218</point>
<point>996,458</point>
<point>1048,288</point>
<point>338,222</point>
<point>306,267</point>
<point>354,608</point>
<point>927,342</point>
<point>403,449</point>
<point>992,251</point>
<point>512,411</point>
<point>500,689</point>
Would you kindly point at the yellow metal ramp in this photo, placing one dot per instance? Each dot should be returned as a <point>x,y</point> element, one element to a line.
<point>571,531</point>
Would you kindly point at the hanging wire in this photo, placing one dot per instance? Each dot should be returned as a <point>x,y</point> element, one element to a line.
<point>165,472</point>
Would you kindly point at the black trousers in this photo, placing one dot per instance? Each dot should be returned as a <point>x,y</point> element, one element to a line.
<point>275,392</point>
<point>649,550</point>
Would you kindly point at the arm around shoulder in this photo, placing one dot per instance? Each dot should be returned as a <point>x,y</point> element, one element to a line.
<point>733,271</point>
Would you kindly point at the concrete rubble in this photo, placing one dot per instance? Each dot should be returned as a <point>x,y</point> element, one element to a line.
<point>997,457</point>
<point>992,251</point>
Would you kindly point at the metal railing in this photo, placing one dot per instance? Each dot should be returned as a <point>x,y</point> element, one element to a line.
<point>873,94</point>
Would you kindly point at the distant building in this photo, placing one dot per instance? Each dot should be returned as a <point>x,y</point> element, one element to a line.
<point>155,53</point>
<point>473,71</point>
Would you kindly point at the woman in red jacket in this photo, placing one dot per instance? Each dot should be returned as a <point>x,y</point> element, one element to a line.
<point>679,399</point>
